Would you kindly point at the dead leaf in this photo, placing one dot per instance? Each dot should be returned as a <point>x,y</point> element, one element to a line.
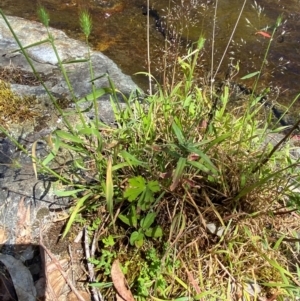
<point>72,297</point>
<point>3,235</point>
<point>23,229</point>
<point>55,281</point>
<point>120,283</point>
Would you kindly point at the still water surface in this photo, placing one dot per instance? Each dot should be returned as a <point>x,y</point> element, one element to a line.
<point>119,31</point>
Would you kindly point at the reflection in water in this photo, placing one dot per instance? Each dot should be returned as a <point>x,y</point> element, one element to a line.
<point>120,32</point>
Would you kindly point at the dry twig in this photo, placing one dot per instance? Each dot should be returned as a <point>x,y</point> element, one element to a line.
<point>96,294</point>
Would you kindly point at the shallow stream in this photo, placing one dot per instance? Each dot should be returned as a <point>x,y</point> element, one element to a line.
<point>119,31</point>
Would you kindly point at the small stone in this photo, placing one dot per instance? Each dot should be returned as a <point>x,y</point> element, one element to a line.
<point>253,288</point>
<point>213,229</point>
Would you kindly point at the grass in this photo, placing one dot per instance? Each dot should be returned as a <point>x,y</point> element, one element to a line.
<point>192,200</point>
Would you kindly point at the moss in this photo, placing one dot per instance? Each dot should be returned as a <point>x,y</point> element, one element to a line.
<point>14,108</point>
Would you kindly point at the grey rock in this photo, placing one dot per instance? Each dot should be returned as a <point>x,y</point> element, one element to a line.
<point>17,179</point>
<point>21,277</point>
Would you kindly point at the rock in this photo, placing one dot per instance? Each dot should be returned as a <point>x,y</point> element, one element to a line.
<point>213,229</point>
<point>17,178</point>
<point>253,288</point>
<point>21,278</point>
<point>68,49</point>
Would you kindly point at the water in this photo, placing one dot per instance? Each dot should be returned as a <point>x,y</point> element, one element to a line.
<point>119,31</point>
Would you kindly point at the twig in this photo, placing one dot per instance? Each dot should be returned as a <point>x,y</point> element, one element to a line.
<point>192,279</point>
<point>95,292</point>
<point>72,262</point>
<point>284,212</point>
<point>225,270</point>
<point>230,39</point>
<point>148,47</point>
<point>56,262</point>
<point>78,237</point>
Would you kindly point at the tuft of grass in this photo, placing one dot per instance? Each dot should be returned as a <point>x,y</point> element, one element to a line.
<point>195,202</point>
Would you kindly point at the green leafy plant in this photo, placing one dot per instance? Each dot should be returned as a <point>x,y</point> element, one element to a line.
<point>151,272</point>
<point>141,196</point>
<point>104,262</point>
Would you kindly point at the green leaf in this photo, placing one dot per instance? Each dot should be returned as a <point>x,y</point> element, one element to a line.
<point>136,238</point>
<point>155,232</point>
<point>218,140</point>
<point>178,133</point>
<point>89,132</point>
<point>98,93</point>
<point>49,158</point>
<point>78,206</point>
<point>32,45</point>
<point>130,159</point>
<point>78,163</point>
<point>146,199</point>
<point>109,188</point>
<point>178,173</point>
<point>109,241</point>
<point>68,136</point>
<point>77,148</point>
<point>251,75</point>
<point>136,187</point>
<point>199,166</point>
<point>278,242</point>
<point>131,219</point>
<point>204,158</point>
<point>153,186</point>
<point>125,219</point>
<point>147,221</point>
<point>53,152</point>
<point>133,216</point>
<point>101,284</point>
<point>64,193</point>
<point>120,166</point>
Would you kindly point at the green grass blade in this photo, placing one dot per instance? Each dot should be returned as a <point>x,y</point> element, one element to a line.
<point>109,193</point>
<point>178,173</point>
<point>178,133</point>
<point>32,45</point>
<point>67,136</point>
<point>78,207</point>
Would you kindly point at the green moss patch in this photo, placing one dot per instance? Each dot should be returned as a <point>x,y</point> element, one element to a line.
<point>14,108</point>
